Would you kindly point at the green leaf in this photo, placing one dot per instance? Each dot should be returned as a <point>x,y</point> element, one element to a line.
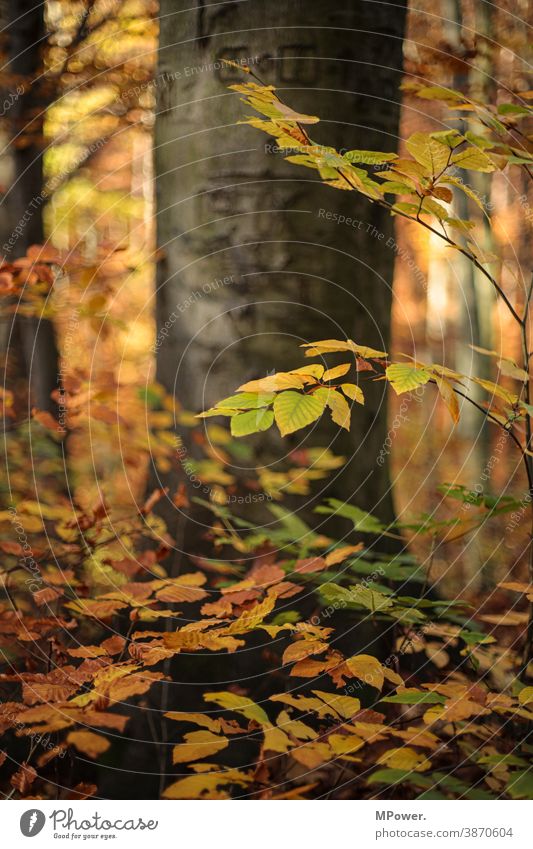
<point>513,109</point>
<point>520,785</point>
<point>479,141</point>
<point>362,521</point>
<point>293,411</point>
<point>216,411</point>
<point>437,92</point>
<point>392,187</point>
<point>295,528</point>
<point>407,208</point>
<point>369,157</point>
<point>252,421</point>
<point>398,776</point>
<point>501,760</point>
<point>475,638</point>
<point>358,595</point>
<point>415,697</point>
<point>404,377</point>
<point>247,400</point>
<point>151,395</point>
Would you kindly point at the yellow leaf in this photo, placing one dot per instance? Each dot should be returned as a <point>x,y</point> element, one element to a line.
<point>308,668</point>
<point>429,152</point>
<point>196,718</point>
<point>459,708</point>
<point>275,740</point>
<point>404,758</point>
<point>449,397</point>
<point>240,704</point>
<point>338,371</point>
<point>340,410</point>
<point>367,669</point>
<point>241,66</point>
<point>132,685</point>
<point>392,676</point>
<point>437,655</point>
<point>331,346</point>
<point>290,115</point>
<point>345,706</point>
<point>354,392</point>
<point>313,370</point>
<point>343,744</point>
<point>433,714</point>
<point>251,618</point>
<point>509,618</point>
<point>88,743</point>
<point>312,754</point>
<point>496,389</point>
<point>305,704</point>
<point>469,192</point>
<point>199,744</point>
<point>510,369</point>
<point>518,587</point>
<point>525,696</point>
<point>273,383</point>
<point>200,786</point>
<point>295,727</point>
<point>418,737</point>
<point>443,371</point>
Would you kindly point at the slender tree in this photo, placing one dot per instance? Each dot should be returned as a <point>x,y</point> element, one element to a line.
<point>255,256</point>
<point>32,340</point>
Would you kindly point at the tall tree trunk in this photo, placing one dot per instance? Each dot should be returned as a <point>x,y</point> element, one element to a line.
<point>32,339</point>
<point>255,261</point>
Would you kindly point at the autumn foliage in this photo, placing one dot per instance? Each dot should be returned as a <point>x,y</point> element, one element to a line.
<point>102,632</point>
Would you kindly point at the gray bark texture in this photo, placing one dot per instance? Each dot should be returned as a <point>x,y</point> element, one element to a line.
<point>32,340</point>
<point>254,259</point>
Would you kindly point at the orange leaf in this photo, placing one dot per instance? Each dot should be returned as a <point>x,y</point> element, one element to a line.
<point>340,554</point>
<point>23,778</point>
<point>302,649</point>
<point>310,564</point>
<point>47,420</point>
<point>89,743</point>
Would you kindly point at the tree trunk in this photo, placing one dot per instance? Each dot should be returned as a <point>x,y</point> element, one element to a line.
<point>32,339</point>
<point>254,259</point>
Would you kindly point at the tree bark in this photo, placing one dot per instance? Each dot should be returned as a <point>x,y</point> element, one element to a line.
<point>32,340</point>
<point>255,261</point>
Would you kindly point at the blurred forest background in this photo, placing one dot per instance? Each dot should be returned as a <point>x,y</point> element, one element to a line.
<point>95,101</point>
